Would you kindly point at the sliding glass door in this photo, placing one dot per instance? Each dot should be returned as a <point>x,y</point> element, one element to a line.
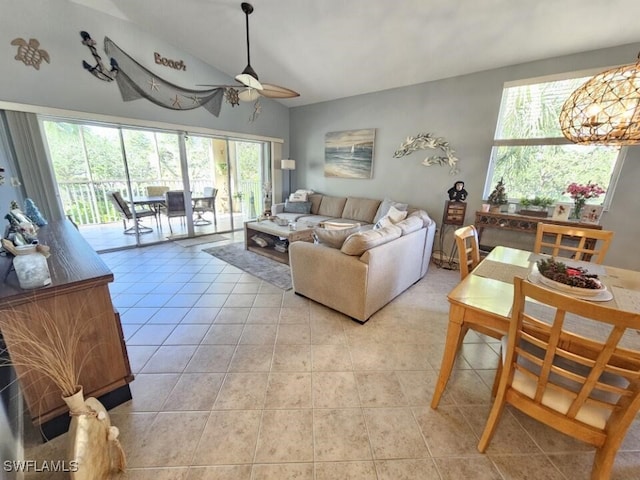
<point>128,186</point>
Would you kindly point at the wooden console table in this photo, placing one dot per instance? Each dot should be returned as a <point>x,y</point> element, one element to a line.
<point>522,223</point>
<point>79,286</point>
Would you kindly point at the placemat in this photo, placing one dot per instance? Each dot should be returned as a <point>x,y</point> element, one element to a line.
<point>628,300</point>
<point>504,272</point>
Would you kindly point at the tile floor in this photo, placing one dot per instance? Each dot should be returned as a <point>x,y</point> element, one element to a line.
<point>238,380</point>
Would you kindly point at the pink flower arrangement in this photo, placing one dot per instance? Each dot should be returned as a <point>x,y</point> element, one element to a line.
<point>582,192</point>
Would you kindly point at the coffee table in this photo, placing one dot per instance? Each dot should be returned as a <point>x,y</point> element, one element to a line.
<point>270,230</point>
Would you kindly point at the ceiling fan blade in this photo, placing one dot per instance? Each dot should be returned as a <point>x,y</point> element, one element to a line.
<point>276,91</point>
<point>249,80</point>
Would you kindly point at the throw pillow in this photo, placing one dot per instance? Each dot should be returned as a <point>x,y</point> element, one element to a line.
<point>410,225</point>
<point>298,197</point>
<point>384,208</point>
<point>334,238</point>
<point>297,207</point>
<point>395,215</point>
<point>383,222</point>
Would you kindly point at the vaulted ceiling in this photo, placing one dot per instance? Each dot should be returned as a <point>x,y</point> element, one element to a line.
<point>329,49</point>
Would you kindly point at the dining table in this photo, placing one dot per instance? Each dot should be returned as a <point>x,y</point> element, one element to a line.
<point>483,299</point>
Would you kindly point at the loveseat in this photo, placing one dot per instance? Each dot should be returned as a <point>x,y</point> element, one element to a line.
<point>366,270</point>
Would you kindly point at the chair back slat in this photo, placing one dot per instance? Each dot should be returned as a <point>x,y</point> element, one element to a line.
<point>600,241</point>
<point>468,249</point>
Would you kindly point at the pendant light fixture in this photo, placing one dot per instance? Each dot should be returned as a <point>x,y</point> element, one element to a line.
<point>606,109</point>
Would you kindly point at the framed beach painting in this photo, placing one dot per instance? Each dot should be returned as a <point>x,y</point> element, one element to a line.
<point>349,154</point>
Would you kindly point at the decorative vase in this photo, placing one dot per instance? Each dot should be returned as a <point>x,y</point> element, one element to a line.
<point>576,212</point>
<point>75,402</point>
<point>94,449</point>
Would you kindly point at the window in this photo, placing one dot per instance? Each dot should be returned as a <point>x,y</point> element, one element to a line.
<point>532,155</point>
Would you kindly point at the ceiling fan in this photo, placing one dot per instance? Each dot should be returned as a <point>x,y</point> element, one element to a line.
<point>249,78</point>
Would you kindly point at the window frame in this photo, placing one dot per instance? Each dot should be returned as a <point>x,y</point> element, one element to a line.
<point>544,141</point>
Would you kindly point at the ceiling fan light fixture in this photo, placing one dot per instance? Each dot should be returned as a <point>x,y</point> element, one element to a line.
<point>249,95</point>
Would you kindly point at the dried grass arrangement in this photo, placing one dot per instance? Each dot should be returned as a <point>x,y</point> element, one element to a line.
<point>52,349</point>
<point>54,355</point>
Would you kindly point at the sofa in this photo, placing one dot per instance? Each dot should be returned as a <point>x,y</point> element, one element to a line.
<point>362,272</point>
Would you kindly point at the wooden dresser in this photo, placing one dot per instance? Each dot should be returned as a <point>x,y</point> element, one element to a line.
<point>79,287</point>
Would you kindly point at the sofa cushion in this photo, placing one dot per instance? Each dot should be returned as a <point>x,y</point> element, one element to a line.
<point>338,224</point>
<point>384,208</point>
<point>422,215</point>
<point>410,225</point>
<point>334,238</point>
<point>332,206</point>
<point>297,207</point>
<point>315,199</point>
<point>361,209</point>
<point>358,243</point>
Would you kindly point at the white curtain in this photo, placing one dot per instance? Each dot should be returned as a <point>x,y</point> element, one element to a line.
<point>33,164</point>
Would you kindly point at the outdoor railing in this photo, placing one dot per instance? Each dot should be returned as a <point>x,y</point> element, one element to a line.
<point>89,203</point>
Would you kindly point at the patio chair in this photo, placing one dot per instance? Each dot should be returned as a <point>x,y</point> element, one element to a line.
<point>157,190</point>
<point>123,208</point>
<point>174,206</point>
<point>585,249</point>
<point>206,203</point>
<point>583,385</point>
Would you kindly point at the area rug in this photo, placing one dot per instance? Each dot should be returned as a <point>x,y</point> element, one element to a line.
<point>190,242</point>
<point>276,273</point>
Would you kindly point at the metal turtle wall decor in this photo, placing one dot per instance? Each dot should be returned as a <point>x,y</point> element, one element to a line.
<point>30,52</point>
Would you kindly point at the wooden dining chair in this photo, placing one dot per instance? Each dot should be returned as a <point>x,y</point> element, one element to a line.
<point>122,207</point>
<point>587,388</point>
<point>468,249</point>
<point>469,258</point>
<point>592,245</point>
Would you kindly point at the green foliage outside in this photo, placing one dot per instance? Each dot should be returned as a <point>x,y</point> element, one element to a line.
<point>88,164</point>
<point>544,170</point>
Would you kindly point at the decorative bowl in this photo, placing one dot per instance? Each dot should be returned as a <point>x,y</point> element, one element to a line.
<point>582,292</point>
<point>283,222</point>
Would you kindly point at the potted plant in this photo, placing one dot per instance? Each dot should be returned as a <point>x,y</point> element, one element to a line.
<point>497,197</point>
<point>536,207</point>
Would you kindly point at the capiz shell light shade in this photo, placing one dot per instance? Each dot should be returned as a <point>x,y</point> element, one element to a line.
<point>605,110</point>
